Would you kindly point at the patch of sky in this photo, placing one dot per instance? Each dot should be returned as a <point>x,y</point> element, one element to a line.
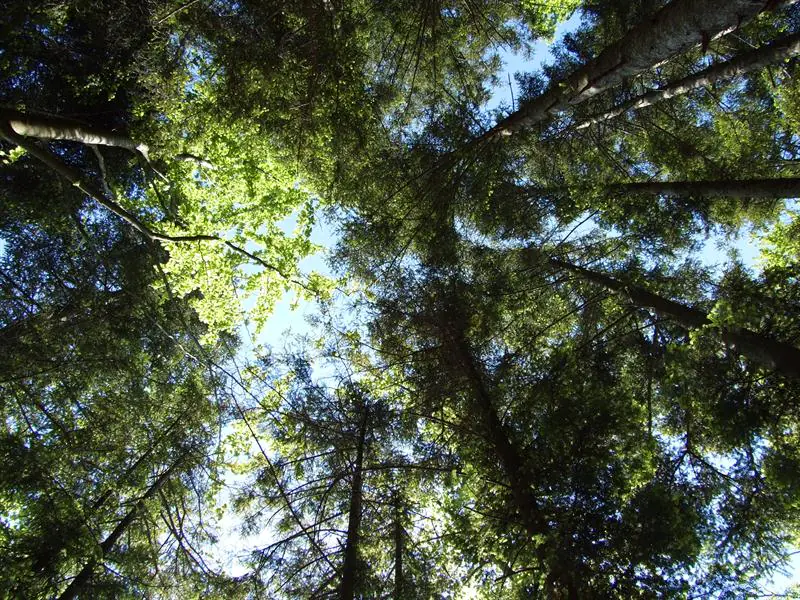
<point>726,465</point>
<point>291,317</point>
<point>646,169</point>
<point>226,6</point>
<point>30,77</point>
<point>234,546</point>
<point>717,250</point>
<point>198,61</point>
<point>507,90</point>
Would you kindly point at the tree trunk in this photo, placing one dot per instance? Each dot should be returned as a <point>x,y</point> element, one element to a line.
<point>398,550</point>
<point>74,178</point>
<point>762,349</point>
<point>676,28</point>
<point>48,558</point>
<point>57,128</point>
<point>787,187</point>
<point>351,563</point>
<point>508,454</point>
<point>778,50</point>
<point>103,498</point>
<point>107,544</point>
<point>781,187</point>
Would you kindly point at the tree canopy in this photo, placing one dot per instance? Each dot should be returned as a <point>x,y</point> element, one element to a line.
<point>555,352</point>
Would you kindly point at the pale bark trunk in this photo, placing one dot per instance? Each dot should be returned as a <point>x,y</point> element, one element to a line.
<point>200,161</point>
<point>786,187</point>
<point>82,578</point>
<point>781,49</point>
<point>350,566</point>
<point>762,349</point>
<point>74,178</point>
<point>56,128</point>
<point>676,28</point>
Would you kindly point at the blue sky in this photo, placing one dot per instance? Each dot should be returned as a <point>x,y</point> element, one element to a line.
<point>516,62</point>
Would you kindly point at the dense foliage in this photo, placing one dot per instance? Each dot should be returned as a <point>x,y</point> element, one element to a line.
<point>527,376</point>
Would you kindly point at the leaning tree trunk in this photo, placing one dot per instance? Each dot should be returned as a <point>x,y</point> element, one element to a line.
<point>504,448</point>
<point>787,187</point>
<point>48,558</point>
<point>399,536</point>
<point>676,28</point>
<point>762,349</point>
<point>59,128</point>
<point>774,52</point>
<point>126,475</point>
<point>74,177</point>
<point>781,187</point>
<point>82,578</point>
<point>561,581</point>
<point>350,567</point>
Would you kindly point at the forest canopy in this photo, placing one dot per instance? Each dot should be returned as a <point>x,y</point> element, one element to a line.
<point>538,363</point>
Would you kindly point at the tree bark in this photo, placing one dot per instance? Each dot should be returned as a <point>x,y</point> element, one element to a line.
<point>510,459</point>
<point>103,498</point>
<point>200,161</point>
<point>42,564</point>
<point>788,187</point>
<point>676,28</point>
<point>785,187</point>
<point>398,549</point>
<point>351,563</point>
<point>82,578</point>
<point>58,128</point>
<point>771,353</point>
<point>74,177</point>
<point>780,49</point>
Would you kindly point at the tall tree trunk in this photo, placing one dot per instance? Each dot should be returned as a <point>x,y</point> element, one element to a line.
<point>762,349</point>
<point>776,51</point>
<point>780,187</point>
<point>107,544</point>
<point>398,549</point>
<point>74,177</point>
<point>350,575</point>
<point>787,187</point>
<point>58,128</point>
<point>103,498</point>
<point>559,576</point>
<point>509,456</point>
<point>50,556</point>
<point>676,28</point>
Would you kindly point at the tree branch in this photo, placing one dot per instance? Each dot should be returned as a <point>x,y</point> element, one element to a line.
<point>74,177</point>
